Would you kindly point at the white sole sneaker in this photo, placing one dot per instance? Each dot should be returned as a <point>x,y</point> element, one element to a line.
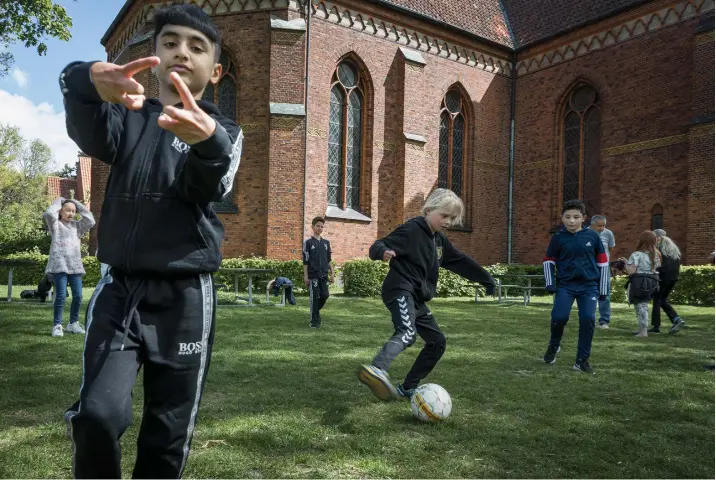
<point>75,328</point>
<point>57,331</point>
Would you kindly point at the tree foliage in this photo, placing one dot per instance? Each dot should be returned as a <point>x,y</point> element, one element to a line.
<point>30,22</point>
<point>23,191</point>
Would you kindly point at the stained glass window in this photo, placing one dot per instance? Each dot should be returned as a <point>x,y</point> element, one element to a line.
<point>451,140</point>
<point>345,137</point>
<point>335,145</point>
<point>223,95</point>
<point>581,143</point>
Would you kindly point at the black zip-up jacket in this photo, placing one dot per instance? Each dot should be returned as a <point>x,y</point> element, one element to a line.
<point>669,268</point>
<point>419,253</point>
<point>157,217</point>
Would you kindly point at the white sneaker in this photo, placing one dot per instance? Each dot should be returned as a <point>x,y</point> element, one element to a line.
<point>75,328</point>
<point>603,326</point>
<point>57,331</point>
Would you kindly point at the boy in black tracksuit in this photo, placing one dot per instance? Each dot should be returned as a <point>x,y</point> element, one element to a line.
<point>154,307</point>
<point>416,250</point>
<point>317,270</point>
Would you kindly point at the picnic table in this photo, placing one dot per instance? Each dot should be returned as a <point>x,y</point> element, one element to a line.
<point>12,264</point>
<point>250,272</point>
<point>526,290</point>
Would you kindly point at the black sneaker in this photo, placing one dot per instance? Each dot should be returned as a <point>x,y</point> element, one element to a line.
<point>678,325</point>
<point>654,330</point>
<point>314,325</point>
<point>405,393</point>
<point>551,355</point>
<point>582,366</point>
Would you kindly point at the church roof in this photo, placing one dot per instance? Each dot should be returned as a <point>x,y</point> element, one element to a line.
<point>514,24</point>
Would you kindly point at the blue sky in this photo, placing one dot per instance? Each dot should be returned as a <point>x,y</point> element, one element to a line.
<point>30,97</point>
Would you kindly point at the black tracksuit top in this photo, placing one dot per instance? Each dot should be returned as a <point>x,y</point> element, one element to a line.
<point>157,216</point>
<point>419,255</point>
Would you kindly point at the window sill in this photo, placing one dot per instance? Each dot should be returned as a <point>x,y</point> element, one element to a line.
<point>225,208</point>
<point>460,229</point>
<point>347,214</point>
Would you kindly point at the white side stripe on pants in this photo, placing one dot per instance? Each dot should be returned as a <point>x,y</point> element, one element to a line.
<point>105,280</point>
<point>207,310</point>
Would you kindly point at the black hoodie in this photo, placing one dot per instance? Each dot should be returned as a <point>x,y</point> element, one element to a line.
<point>157,216</point>
<point>419,253</point>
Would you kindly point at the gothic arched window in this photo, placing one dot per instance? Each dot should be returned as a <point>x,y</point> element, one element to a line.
<point>452,144</point>
<point>345,136</point>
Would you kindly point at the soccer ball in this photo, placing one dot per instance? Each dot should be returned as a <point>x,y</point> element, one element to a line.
<point>431,403</point>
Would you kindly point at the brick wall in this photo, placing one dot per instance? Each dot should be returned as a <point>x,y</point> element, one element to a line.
<point>247,37</point>
<point>645,95</point>
<point>700,214</point>
<point>397,179</point>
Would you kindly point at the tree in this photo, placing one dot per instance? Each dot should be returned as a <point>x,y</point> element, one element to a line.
<point>30,22</point>
<point>23,191</point>
<point>11,144</point>
<point>35,159</point>
<point>32,160</point>
<point>68,171</point>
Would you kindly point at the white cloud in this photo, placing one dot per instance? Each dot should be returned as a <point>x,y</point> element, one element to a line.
<point>39,121</point>
<point>21,78</point>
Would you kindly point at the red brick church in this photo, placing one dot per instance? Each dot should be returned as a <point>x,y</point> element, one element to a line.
<point>356,110</point>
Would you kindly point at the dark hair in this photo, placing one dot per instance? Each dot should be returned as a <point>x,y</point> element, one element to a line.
<point>65,202</point>
<point>188,16</point>
<point>574,205</point>
<point>316,220</point>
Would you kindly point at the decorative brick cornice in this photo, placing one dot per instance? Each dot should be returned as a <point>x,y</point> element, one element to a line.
<point>285,122</point>
<point>212,7</point>
<point>705,38</point>
<point>634,28</point>
<point>385,146</point>
<point>704,129</point>
<point>279,37</point>
<point>317,132</point>
<point>407,37</point>
<point>646,145</point>
<point>251,128</point>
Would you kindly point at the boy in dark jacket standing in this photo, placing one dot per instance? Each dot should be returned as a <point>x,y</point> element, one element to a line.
<point>317,270</point>
<point>416,250</point>
<point>170,158</point>
<point>582,267</point>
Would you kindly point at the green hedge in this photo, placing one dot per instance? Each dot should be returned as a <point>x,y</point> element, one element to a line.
<point>695,287</point>
<point>32,274</point>
<point>364,278</point>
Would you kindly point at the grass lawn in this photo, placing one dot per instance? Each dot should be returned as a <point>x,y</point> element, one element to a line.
<point>283,400</point>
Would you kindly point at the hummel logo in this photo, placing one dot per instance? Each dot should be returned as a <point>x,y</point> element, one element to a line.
<point>190,348</point>
<point>589,244</point>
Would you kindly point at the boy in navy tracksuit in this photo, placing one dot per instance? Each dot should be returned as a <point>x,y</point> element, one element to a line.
<point>170,158</point>
<point>582,268</point>
<point>416,250</point>
<point>317,270</point>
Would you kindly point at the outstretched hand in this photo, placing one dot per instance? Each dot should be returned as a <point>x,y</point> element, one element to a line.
<point>114,83</point>
<point>388,254</point>
<point>191,124</point>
